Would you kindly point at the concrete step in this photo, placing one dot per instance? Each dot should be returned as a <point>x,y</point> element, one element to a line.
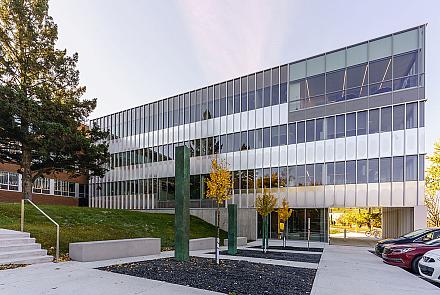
<point>11,234</point>
<point>27,260</point>
<point>20,247</point>
<point>24,253</point>
<point>16,241</point>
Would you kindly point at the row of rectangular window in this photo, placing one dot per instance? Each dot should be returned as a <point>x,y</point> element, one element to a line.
<point>373,121</point>
<point>9,181</point>
<point>377,170</point>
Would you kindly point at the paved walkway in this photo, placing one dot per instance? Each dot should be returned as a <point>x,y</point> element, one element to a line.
<point>353,270</point>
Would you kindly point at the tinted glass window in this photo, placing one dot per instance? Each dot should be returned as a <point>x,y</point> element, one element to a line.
<point>244,143</point>
<point>421,167</point>
<point>292,176</point>
<point>362,171</point>
<point>266,137</point>
<point>362,123</point>
<point>283,135</point>
<point>339,172</point>
<point>411,115</point>
<point>275,135</point>
<point>258,138</point>
<point>385,170</point>
<point>301,175</point>
<point>405,65</point>
<point>230,98</point>
<point>397,169</point>
<point>351,172</point>
<point>380,70</point>
<point>335,81</point>
<point>351,124</point>
<point>398,117</point>
<point>385,119</point>
<point>230,142</point>
<point>283,93</point>
<point>292,133</point>
<point>310,130</point>
<point>237,142</point>
<point>310,174</point>
<point>357,76</point>
<point>319,174</point>
<point>320,129</point>
<point>340,126</point>
<point>330,126</point>
<point>373,121</point>
<point>373,170</point>
<point>330,169</point>
<point>251,139</point>
<point>301,132</point>
<point>315,85</point>
<point>422,114</point>
<point>411,167</point>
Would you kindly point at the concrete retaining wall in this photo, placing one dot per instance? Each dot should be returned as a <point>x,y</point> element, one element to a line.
<point>103,250</point>
<point>241,241</point>
<point>202,244</point>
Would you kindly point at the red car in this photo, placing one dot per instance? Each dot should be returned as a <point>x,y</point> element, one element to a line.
<point>408,255</point>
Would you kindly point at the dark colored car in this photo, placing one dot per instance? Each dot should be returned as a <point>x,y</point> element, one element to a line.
<point>408,255</point>
<point>418,236</point>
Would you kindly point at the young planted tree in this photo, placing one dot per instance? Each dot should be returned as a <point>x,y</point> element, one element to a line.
<point>42,114</point>
<point>284,214</point>
<point>432,187</point>
<point>219,188</point>
<point>265,204</point>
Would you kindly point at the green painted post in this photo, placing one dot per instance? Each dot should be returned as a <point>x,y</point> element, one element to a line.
<point>181,252</point>
<point>232,229</point>
<point>264,232</point>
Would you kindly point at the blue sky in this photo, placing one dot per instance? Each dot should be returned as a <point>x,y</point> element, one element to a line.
<point>133,52</point>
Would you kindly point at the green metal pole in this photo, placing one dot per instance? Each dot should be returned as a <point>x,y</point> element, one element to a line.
<point>232,229</point>
<point>182,217</point>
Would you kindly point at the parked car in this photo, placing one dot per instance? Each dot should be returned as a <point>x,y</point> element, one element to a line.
<point>429,265</point>
<point>408,255</point>
<point>418,236</point>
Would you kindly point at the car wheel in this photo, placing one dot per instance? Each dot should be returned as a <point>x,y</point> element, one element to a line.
<point>415,264</point>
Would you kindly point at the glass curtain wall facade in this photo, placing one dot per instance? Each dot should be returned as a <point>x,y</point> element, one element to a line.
<point>342,129</point>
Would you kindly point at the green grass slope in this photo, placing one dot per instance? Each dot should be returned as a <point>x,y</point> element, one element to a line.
<point>80,224</point>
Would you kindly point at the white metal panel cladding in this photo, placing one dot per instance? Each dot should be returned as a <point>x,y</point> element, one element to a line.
<point>301,153</point>
<point>291,154</point>
<point>223,122</point>
<point>361,195</point>
<point>399,143</point>
<point>243,159</point>
<point>340,149</point>
<point>258,158</point>
<point>244,121</point>
<point>210,128</point>
<point>421,193</point>
<point>236,160</point>
<point>339,196</point>
<point>422,140</point>
<point>385,144</point>
<point>319,151</point>
<point>411,145</point>
<point>187,131</point>
<point>329,196</point>
<point>283,155</point>
<point>236,122</point>
<point>215,129</point>
<point>181,133</point>
<point>385,194</point>
<point>275,115</point>
<point>291,196</point>
<point>284,113</point>
<point>230,123</point>
<point>251,159</point>
<point>310,152</point>
<point>350,195</point>
<point>373,194</point>
<point>259,118</point>
<point>310,197</point>
<point>350,148</point>
<point>301,196</point>
<point>251,119</point>
<point>275,156</point>
<point>373,145</point>
<point>320,196</point>
<point>267,116</point>
<point>397,194</point>
<point>410,193</point>
<point>361,148</point>
<point>330,150</point>
<point>266,157</point>
<point>198,129</point>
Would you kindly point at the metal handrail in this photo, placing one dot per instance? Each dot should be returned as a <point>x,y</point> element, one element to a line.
<point>57,249</point>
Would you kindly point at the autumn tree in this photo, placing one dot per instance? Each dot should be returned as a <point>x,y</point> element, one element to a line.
<point>42,114</point>
<point>265,204</point>
<point>284,214</point>
<point>432,187</point>
<point>219,189</point>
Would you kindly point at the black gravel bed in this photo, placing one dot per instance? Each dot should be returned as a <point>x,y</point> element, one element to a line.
<point>230,276</point>
<point>292,248</point>
<point>300,257</point>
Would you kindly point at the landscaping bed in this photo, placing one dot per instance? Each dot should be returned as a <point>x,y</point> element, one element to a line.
<point>229,277</point>
<point>292,248</point>
<point>11,266</point>
<point>300,257</point>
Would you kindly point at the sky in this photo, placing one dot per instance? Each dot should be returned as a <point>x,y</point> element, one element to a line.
<point>133,52</point>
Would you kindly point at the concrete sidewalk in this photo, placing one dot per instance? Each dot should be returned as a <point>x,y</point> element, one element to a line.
<point>353,270</point>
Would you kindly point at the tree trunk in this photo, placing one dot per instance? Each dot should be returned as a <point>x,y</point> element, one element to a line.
<point>217,239</point>
<point>26,174</point>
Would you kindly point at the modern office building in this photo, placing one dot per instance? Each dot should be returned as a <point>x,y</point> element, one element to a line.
<point>341,129</point>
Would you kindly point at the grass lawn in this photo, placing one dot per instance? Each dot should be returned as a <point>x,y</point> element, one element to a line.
<point>81,224</point>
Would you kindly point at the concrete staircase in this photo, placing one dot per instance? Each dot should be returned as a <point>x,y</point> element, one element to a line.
<point>19,248</point>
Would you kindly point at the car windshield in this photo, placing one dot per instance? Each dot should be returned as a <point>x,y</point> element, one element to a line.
<point>435,242</point>
<point>416,233</point>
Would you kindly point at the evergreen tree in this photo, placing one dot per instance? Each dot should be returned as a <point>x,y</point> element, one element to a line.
<point>42,114</point>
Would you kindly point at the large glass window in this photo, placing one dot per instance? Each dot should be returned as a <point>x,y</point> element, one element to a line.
<point>351,172</point>
<point>373,170</point>
<point>336,85</point>
<point>422,114</point>
<point>301,136</point>
<point>292,176</point>
<point>275,135</point>
<point>283,135</point>
<point>319,174</point>
<point>320,129</point>
<point>421,167</point>
<point>223,100</point>
<point>315,88</point>
<point>258,138</point>
<point>244,141</point>
<point>373,121</point>
<point>330,173</point>
<point>259,92</point>
<point>405,65</point>
<point>267,83</point>
<point>385,119</point>
<point>244,100</point>
<point>292,133</point>
<point>350,124</point>
<point>411,168</point>
<point>385,169</point>
<point>237,101</point>
<point>339,172</point>
<point>230,98</point>
<point>330,126</point>
<point>266,137</point>
<point>340,126</point>
<point>380,74</point>
<point>301,175</point>
<point>397,169</point>
<point>362,123</point>
<point>251,139</point>
<point>251,92</point>
<point>362,171</point>
<point>283,84</point>
<point>310,174</point>
<point>411,115</point>
<point>399,117</point>
<point>357,80</point>
<point>310,130</point>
